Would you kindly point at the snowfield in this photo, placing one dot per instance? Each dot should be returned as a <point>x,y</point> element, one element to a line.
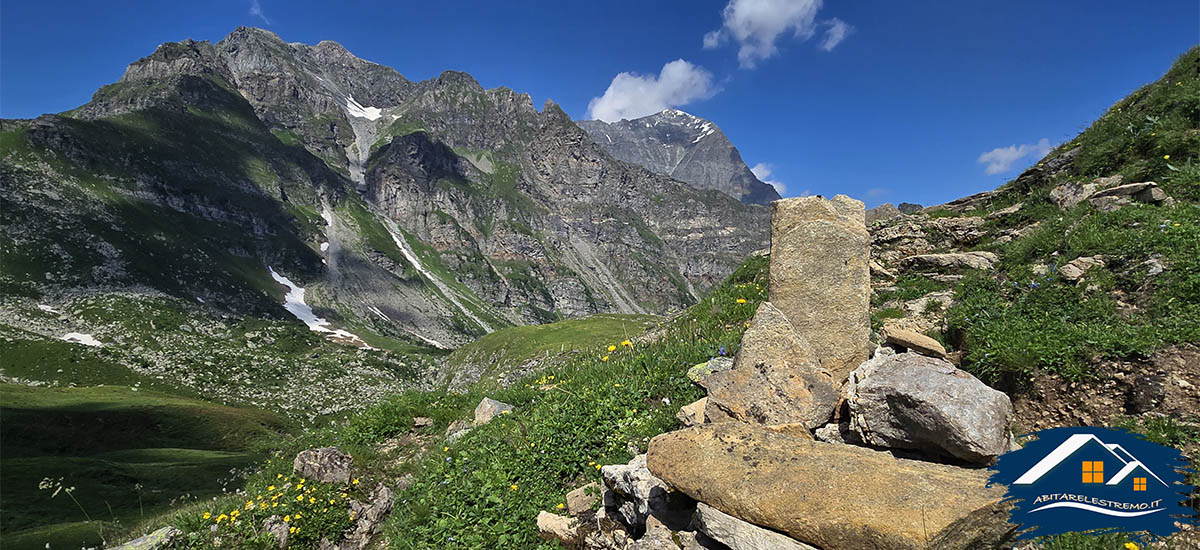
<point>81,338</point>
<point>293,301</point>
<point>356,109</point>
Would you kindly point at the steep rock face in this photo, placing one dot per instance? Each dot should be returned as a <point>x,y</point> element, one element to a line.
<point>688,148</point>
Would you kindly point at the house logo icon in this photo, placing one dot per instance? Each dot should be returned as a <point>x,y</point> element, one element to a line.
<point>1083,479</point>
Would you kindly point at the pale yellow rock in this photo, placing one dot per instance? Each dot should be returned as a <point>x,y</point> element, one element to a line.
<point>836,497</point>
<point>820,276</point>
<point>693,414</point>
<point>556,527</point>
<point>914,341</point>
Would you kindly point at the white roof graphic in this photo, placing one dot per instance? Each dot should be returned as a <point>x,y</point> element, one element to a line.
<point>1076,442</point>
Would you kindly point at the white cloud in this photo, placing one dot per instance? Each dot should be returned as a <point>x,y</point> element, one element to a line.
<point>756,25</point>
<point>837,32</point>
<point>632,95</point>
<point>1001,159</point>
<point>256,11</point>
<point>762,171</point>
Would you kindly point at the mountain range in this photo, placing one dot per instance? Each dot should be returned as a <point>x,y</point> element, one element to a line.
<point>433,211</point>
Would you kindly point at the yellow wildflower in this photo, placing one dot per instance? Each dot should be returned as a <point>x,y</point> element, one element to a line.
<point>1166,157</point>
<point>506,412</point>
<point>741,300</point>
<point>605,358</point>
<point>249,504</point>
<point>207,515</point>
<point>271,488</point>
<point>617,385</point>
<point>599,466</point>
<point>612,348</point>
<point>302,481</point>
<point>221,518</point>
<point>355,482</point>
<point>297,515</point>
<point>627,343</point>
<point>287,518</point>
<point>331,501</point>
<point>274,504</point>
<point>312,500</point>
<point>560,506</point>
<point>343,495</point>
<point>513,486</point>
<point>278,476</point>
<point>1131,546</point>
<point>445,449</point>
<point>292,530</point>
<point>531,444</point>
<point>299,498</point>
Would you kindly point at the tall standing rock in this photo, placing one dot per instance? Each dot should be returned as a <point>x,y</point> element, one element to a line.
<point>820,278</point>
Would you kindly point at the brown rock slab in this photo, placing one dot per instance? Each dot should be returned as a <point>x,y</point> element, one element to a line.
<point>820,278</point>
<point>581,500</point>
<point>828,495</point>
<point>692,414</point>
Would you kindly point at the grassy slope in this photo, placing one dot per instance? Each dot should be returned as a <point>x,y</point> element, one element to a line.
<point>509,348</point>
<point>1015,322</point>
<point>485,490</point>
<point>128,452</point>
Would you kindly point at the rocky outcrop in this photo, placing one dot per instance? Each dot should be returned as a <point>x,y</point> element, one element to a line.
<point>1075,269</point>
<point>882,213</point>
<point>685,147</point>
<point>925,404</point>
<point>326,464</point>
<point>951,261</point>
<point>634,494</point>
<point>775,378</point>
<point>828,495</point>
<point>827,301</point>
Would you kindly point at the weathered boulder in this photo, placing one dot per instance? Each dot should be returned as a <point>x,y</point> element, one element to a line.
<point>1114,197</point>
<point>1067,195</point>
<point>1005,212</point>
<point>914,341</point>
<point>556,527</point>
<point>581,499</point>
<point>488,409</point>
<point>701,371</point>
<point>1075,269</point>
<point>775,378</point>
<point>160,538</point>
<point>278,529</point>
<point>909,207</point>
<point>831,496</point>
<point>949,261</point>
<point>326,464</point>
<point>911,401</point>
<point>820,277</point>
<point>741,535</point>
<point>635,494</point>
<point>693,414</point>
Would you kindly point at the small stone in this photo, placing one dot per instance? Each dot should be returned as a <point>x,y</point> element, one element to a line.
<point>422,422</point>
<point>693,414</point>
<point>703,370</point>
<point>914,341</point>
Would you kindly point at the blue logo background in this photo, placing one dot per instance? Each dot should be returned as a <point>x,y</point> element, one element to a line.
<point>1082,479</point>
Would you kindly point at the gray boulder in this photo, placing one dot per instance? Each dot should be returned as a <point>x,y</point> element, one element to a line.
<point>1075,269</point>
<point>1069,194</point>
<point>925,404</point>
<point>488,409</point>
<point>701,371</point>
<point>741,535</point>
<point>326,464</point>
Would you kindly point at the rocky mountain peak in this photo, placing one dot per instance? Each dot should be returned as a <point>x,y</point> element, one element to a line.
<point>686,147</point>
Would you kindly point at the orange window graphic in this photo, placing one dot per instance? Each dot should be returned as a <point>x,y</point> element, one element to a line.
<point>1139,484</point>
<point>1093,471</point>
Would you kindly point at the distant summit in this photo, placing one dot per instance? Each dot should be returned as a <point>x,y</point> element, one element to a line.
<point>686,147</point>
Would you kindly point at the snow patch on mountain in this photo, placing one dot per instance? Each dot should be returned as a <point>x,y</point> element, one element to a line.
<point>81,338</point>
<point>355,108</point>
<point>293,301</point>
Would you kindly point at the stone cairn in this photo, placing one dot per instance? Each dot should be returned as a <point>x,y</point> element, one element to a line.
<point>808,438</point>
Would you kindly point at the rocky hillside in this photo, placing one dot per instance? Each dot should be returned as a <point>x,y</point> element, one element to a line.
<point>433,211</point>
<point>686,147</point>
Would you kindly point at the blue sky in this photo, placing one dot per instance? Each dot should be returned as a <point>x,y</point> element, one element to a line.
<point>901,108</point>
